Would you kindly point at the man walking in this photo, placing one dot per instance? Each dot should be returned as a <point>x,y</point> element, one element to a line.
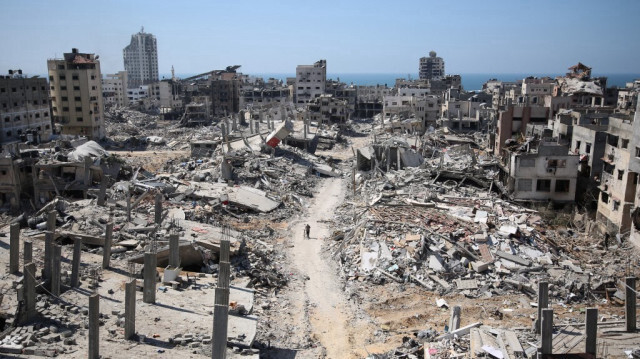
<point>307,229</point>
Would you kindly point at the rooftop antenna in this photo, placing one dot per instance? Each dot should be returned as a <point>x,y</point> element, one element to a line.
<point>142,29</point>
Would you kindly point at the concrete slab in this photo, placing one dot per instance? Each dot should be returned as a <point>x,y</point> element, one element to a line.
<point>252,198</point>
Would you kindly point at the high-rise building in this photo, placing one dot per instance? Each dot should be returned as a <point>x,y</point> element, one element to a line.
<point>24,108</point>
<point>76,94</point>
<point>141,59</point>
<point>310,81</point>
<point>432,67</point>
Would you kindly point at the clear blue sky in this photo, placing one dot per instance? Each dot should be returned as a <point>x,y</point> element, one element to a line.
<point>510,36</point>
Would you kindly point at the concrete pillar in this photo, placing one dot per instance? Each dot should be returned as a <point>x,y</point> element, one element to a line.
<point>220,323</point>
<point>48,253</point>
<point>251,125</point>
<point>94,326</point>
<point>51,221</point>
<point>306,144</point>
<point>106,253</point>
<point>28,252</point>
<point>103,191</point>
<point>234,123</point>
<point>129,205</point>
<point>158,208</point>
<point>174,250</point>
<point>454,321</point>
<point>14,248</point>
<point>56,270</point>
<point>29,290</point>
<point>75,263</point>
<point>630,304</point>
<point>591,330</point>
<point>149,286</point>
<point>225,250</point>
<point>257,126</point>
<point>130,309</point>
<point>547,331</point>
<point>543,302</point>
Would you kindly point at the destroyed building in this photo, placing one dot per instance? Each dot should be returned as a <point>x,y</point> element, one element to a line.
<point>618,183</point>
<point>76,94</point>
<point>543,171</point>
<point>24,108</point>
<point>310,81</point>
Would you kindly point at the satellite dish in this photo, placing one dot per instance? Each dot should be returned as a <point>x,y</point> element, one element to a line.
<point>97,57</point>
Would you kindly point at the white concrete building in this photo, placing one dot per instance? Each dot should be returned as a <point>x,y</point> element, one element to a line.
<point>548,173</point>
<point>310,81</point>
<point>141,59</point>
<point>134,95</point>
<point>114,89</point>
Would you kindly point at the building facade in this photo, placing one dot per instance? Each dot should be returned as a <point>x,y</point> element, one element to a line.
<point>24,108</point>
<point>75,85</point>
<point>431,67</point>
<point>114,89</point>
<point>311,81</point>
<point>546,173</point>
<point>141,59</point>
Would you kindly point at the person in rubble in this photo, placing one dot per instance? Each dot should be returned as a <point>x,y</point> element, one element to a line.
<point>307,229</point>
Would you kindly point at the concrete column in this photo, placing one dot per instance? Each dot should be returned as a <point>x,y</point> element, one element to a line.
<point>48,253</point>
<point>29,290</point>
<point>158,208</point>
<point>306,144</point>
<point>543,302</point>
<point>220,323</point>
<point>103,191</point>
<point>174,250</point>
<point>547,331</point>
<point>75,262</point>
<point>56,270</point>
<point>106,253</point>
<point>28,252</point>
<point>251,125</point>
<point>630,303</point>
<point>225,250</point>
<point>14,248</point>
<point>51,221</point>
<point>149,286</point>
<point>129,205</point>
<point>130,309</point>
<point>257,126</point>
<point>224,271</point>
<point>234,123</point>
<point>94,327</point>
<point>454,321</point>
<point>591,330</point>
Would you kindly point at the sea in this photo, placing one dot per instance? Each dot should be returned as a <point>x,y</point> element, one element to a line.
<point>470,82</point>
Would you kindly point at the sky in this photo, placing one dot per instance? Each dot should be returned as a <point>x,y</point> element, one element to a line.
<point>491,36</point>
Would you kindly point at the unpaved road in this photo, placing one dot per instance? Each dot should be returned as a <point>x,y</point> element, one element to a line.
<point>330,315</point>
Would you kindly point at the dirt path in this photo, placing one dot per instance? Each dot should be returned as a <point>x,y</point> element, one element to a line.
<point>332,323</point>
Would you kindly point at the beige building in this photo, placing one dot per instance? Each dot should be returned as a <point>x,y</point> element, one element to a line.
<point>76,94</point>
<point>24,108</point>
<point>114,89</point>
<point>619,181</point>
<point>311,81</point>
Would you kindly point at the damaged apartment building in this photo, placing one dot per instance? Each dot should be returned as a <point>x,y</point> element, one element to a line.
<point>24,108</point>
<point>539,170</point>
